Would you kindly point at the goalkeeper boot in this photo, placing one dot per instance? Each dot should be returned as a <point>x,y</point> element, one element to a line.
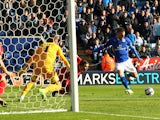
<point>129,91</point>
<point>21,98</point>
<point>43,94</point>
<point>54,93</point>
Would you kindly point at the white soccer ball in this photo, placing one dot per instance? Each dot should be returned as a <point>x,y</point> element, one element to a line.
<point>149,91</point>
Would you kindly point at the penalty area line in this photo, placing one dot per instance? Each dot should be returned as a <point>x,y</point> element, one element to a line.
<point>122,115</point>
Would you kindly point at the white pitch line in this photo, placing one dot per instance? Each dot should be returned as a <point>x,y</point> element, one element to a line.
<point>122,115</point>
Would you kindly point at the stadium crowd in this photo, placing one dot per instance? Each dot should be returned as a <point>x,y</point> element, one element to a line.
<point>96,22</point>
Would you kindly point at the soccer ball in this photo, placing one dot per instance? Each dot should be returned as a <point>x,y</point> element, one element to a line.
<point>149,91</point>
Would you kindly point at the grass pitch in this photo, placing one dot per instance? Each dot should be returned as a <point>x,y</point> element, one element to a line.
<point>104,102</point>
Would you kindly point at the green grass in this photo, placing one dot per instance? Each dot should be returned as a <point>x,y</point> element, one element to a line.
<point>102,103</point>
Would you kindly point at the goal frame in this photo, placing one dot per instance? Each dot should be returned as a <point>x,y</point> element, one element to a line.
<point>73,61</point>
<point>73,56</point>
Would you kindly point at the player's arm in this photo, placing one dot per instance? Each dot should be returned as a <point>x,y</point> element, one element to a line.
<point>108,43</point>
<point>62,57</point>
<point>133,49</point>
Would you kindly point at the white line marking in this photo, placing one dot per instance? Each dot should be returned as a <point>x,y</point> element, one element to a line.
<point>36,111</point>
<point>122,115</point>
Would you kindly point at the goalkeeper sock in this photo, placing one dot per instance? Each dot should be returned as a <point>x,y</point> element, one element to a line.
<point>53,87</point>
<point>125,82</point>
<point>27,88</point>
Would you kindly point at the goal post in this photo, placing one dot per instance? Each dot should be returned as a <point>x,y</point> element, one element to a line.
<point>73,55</point>
<point>24,27</point>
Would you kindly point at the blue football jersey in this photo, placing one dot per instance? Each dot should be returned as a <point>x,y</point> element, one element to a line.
<point>121,48</point>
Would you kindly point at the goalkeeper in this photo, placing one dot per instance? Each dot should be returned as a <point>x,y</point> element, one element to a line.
<point>43,64</point>
<point>2,77</point>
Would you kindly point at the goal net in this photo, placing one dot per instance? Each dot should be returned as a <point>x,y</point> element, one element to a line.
<point>24,26</point>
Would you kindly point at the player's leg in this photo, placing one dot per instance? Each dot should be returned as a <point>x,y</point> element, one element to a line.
<point>120,69</point>
<point>123,79</point>
<point>2,88</point>
<point>55,85</point>
<point>28,87</point>
<point>131,70</point>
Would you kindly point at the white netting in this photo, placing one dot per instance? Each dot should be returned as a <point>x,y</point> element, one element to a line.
<point>24,25</point>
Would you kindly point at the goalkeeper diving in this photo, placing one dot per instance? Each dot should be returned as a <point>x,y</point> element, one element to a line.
<point>43,64</point>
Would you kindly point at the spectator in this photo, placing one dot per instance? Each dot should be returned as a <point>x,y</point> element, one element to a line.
<point>79,7</point>
<point>144,53</point>
<point>36,22</point>
<point>117,10</point>
<point>138,40</point>
<point>83,14</point>
<point>99,7</point>
<point>156,50</point>
<point>145,44</point>
<point>91,41</point>
<point>23,3</point>
<point>96,20</point>
<point>100,35</point>
<point>134,22</point>
<point>140,16</point>
<point>104,15</point>
<point>122,11</point>
<point>93,27</point>
<point>89,15</point>
<point>82,29</point>
<point>125,20</point>
<point>25,16</point>
<point>158,9</point>
<point>107,34</point>
<point>132,36</point>
<point>156,29</point>
<point>125,3</point>
<point>108,63</point>
<point>88,35</point>
<point>154,8</point>
<point>148,17</point>
<point>109,7</point>
<point>97,55</point>
<point>113,19</point>
<point>39,13</point>
<point>102,26</point>
<point>132,8</point>
<point>146,6</point>
<point>84,2</point>
<point>91,4</point>
<point>146,31</point>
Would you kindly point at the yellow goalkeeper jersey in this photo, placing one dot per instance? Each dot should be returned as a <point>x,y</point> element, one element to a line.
<point>46,55</point>
<point>52,51</point>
